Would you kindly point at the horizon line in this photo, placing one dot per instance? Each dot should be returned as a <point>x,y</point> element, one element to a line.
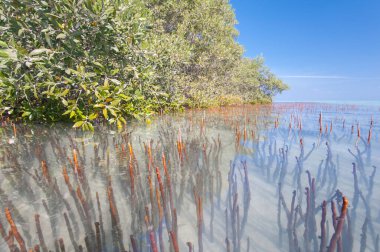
<point>341,77</point>
<point>315,76</point>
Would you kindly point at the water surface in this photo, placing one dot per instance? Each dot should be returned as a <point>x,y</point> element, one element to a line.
<point>209,180</point>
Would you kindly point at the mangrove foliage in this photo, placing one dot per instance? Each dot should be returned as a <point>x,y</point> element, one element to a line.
<point>88,60</point>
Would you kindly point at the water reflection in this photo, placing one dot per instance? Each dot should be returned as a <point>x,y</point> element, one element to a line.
<point>288,177</point>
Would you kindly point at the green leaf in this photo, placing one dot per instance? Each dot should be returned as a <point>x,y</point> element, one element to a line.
<point>39,51</point>
<point>61,36</point>
<point>113,112</point>
<point>72,113</point>
<point>90,126</point>
<point>117,82</point>
<point>20,32</point>
<point>35,91</point>
<point>78,124</point>
<point>85,127</point>
<point>105,84</point>
<point>124,97</point>
<point>119,124</point>
<point>25,114</point>
<point>115,71</point>
<point>67,112</point>
<point>4,54</point>
<point>115,102</point>
<point>8,54</point>
<point>3,44</point>
<point>64,93</point>
<point>123,120</point>
<point>65,102</point>
<point>98,64</point>
<point>105,113</point>
<point>137,116</point>
<point>48,40</point>
<point>93,116</point>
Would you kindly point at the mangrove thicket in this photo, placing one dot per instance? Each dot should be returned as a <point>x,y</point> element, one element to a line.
<point>89,60</point>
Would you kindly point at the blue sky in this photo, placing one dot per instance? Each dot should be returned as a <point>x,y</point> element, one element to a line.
<point>324,49</point>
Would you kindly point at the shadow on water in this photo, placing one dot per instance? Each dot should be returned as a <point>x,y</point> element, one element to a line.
<point>284,177</point>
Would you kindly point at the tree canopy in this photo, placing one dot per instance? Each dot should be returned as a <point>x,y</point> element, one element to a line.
<point>88,60</point>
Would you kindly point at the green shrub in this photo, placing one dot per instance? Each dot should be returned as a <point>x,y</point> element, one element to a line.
<point>73,60</point>
<point>89,60</point>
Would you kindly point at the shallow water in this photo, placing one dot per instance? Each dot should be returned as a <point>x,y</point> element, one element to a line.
<point>230,177</point>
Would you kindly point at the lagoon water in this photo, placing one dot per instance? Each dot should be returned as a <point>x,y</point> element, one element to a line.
<point>208,180</point>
